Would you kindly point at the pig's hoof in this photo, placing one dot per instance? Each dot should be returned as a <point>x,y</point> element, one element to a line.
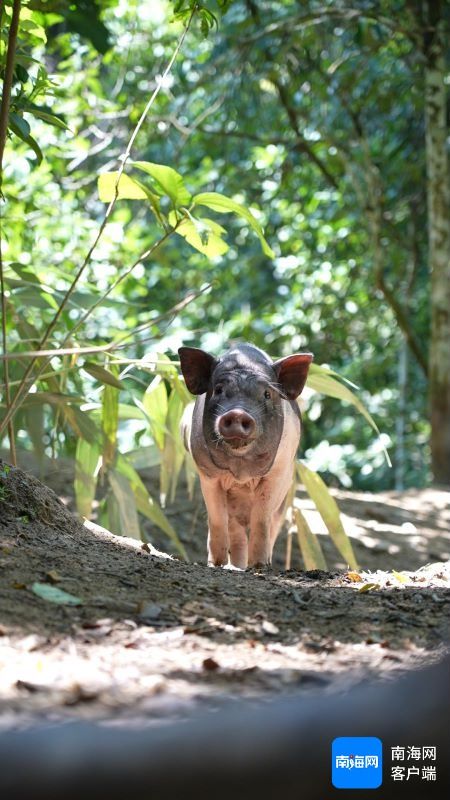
<point>232,567</point>
<point>260,567</point>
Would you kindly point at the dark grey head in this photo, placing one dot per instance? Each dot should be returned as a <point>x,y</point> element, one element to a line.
<point>244,393</point>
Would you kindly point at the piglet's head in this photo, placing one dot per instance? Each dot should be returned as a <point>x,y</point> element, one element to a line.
<point>244,391</point>
<point>198,368</point>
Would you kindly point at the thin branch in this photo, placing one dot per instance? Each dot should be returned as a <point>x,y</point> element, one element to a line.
<point>8,79</point>
<point>106,348</point>
<point>373,206</point>
<point>27,378</point>
<point>4,116</point>
<point>301,144</point>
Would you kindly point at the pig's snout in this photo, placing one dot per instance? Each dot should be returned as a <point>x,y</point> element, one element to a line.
<point>236,424</point>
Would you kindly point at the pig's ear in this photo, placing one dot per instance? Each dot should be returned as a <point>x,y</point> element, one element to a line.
<point>196,366</point>
<point>292,372</point>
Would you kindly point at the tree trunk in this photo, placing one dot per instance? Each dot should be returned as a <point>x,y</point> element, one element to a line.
<point>402,383</point>
<point>439,239</point>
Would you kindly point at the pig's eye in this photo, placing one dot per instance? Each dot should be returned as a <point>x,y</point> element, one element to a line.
<point>267,394</point>
<point>218,390</point>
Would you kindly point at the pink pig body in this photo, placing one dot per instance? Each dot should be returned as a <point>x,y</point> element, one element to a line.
<point>243,433</point>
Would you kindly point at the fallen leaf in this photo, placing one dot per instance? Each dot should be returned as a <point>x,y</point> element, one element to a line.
<point>54,595</point>
<point>369,587</point>
<point>53,576</point>
<point>400,577</point>
<point>355,577</point>
<point>210,665</point>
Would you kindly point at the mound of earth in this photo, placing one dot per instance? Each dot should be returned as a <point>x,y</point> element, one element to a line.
<point>97,626</point>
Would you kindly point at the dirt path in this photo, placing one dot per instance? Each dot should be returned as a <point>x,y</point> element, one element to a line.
<point>153,637</point>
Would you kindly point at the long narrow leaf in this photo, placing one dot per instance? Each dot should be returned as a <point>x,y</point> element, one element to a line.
<point>322,380</point>
<point>110,424</point>
<point>103,375</point>
<point>155,405</point>
<point>173,453</point>
<point>328,510</point>
<point>147,506</point>
<point>126,502</point>
<point>87,462</point>
<point>309,544</point>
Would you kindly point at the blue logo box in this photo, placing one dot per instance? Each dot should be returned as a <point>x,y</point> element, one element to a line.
<point>357,762</point>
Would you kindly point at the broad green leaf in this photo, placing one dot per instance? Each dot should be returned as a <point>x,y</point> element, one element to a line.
<point>128,188</point>
<point>309,544</point>
<point>147,506</point>
<point>322,380</point>
<point>81,423</point>
<point>168,180</point>
<point>155,405</point>
<point>24,272</point>
<point>54,595</point>
<point>126,411</point>
<point>85,21</point>
<point>87,463</point>
<point>28,22</point>
<point>46,116</point>
<point>103,375</point>
<point>31,295</point>
<point>144,457</point>
<point>328,510</point>
<point>20,127</point>
<point>218,202</point>
<point>53,398</point>
<point>202,234</point>
<point>126,502</point>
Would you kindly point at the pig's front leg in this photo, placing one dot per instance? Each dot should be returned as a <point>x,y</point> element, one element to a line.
<point>238,544</point>
<point>216,506</point>
<point>259,548</point>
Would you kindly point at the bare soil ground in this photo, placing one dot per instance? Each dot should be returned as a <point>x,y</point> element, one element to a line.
<point>153,637</point>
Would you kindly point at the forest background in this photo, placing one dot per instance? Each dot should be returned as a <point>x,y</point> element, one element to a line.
<point>329,123</point>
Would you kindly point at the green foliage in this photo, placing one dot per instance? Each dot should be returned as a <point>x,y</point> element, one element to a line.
<point>307,118</point>
<point>201,233</point>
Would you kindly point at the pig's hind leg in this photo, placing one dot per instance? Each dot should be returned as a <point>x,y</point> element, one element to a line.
<point>278,518</point>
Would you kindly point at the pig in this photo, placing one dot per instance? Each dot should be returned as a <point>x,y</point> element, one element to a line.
<point>243,433</point>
